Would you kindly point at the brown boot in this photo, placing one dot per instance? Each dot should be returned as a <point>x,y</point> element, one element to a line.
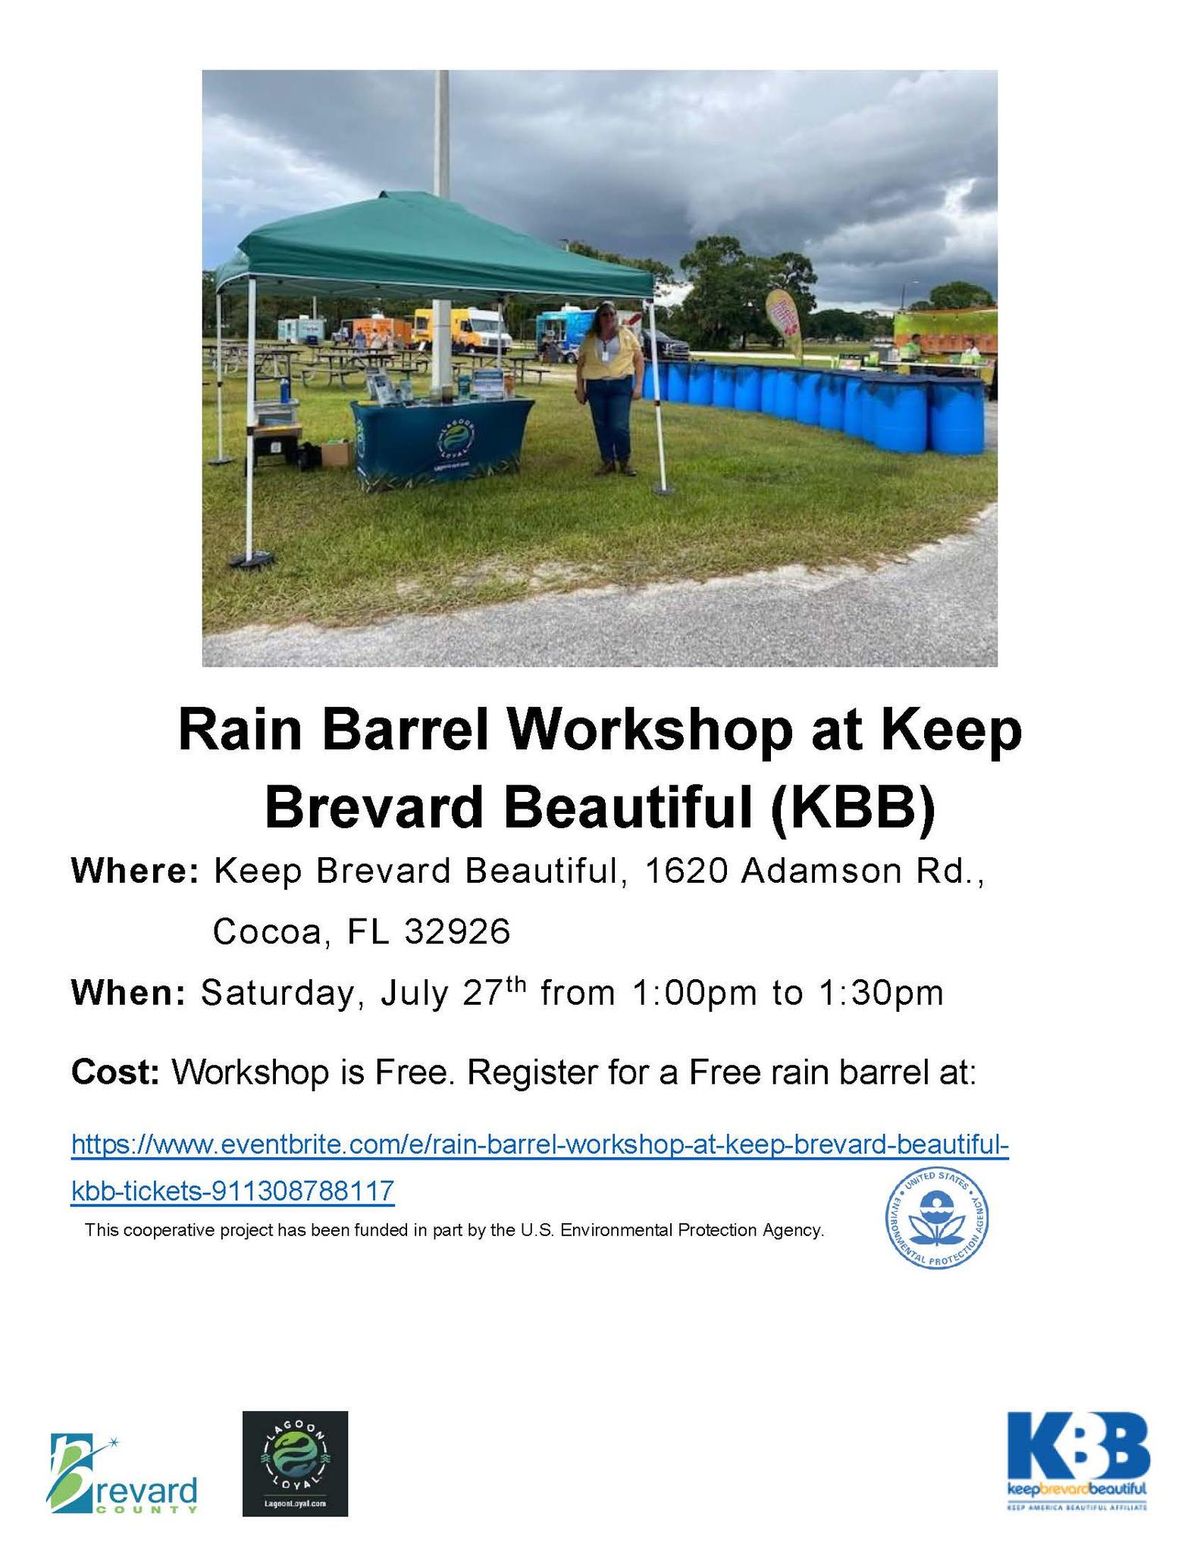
<point>627,468</point>
<point>607,468</point>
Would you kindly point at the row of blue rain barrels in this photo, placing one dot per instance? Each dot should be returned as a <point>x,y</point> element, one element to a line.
<point>898,414</point>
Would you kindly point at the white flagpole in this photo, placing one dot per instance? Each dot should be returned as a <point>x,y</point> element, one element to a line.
<point>441,367</point>
<point>253,559</point>
<point>220,458</point>
<point>251,389</point>
<point>662,488</point>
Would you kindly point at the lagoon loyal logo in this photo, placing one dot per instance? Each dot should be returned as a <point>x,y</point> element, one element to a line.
<point>294,1462</point>
<point>456,438</point>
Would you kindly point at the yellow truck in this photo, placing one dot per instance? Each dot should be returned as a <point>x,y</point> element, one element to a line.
<point>471,329</point>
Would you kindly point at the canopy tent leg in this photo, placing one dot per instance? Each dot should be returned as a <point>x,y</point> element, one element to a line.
<point>222,456</point>
<point>500,332</point>
<point>662,488</point>
<point>252,559</point>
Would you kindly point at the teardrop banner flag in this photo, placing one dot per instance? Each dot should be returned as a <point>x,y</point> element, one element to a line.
<point>781,310</point>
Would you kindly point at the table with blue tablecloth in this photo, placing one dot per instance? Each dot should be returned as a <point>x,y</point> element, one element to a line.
<point>403,445</point>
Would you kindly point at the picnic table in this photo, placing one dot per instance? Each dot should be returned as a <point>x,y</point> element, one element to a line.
<point>350,363</point>
<point>276,360</point>
<point>342,363</point>
<point>523,361</point>
<point>233,358</point>
<point>269,360</point>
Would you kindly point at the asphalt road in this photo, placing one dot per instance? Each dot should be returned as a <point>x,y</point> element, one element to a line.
<point>935,609</point>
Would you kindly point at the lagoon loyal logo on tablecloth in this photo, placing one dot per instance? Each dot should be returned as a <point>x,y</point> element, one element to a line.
<point>294,1462</point>
<point>456,438</point>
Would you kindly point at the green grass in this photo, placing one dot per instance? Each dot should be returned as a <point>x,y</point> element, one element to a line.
<point>750,492</point>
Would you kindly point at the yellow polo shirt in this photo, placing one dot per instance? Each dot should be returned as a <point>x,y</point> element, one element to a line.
<point>622,349</point>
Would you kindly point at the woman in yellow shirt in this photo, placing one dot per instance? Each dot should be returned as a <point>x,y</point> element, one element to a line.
<point>608,377</point>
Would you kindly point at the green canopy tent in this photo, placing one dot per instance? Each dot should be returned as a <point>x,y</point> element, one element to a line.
<point>410,244</point>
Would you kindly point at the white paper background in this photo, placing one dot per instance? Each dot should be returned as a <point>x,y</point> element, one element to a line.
<point>645,1393</point>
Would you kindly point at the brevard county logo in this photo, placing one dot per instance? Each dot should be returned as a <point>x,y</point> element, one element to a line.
<point>294,1462</point>
<point>75,1487</point>
<point>1075,1461</point>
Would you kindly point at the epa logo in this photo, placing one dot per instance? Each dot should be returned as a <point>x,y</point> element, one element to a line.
<point>1077,1447</point>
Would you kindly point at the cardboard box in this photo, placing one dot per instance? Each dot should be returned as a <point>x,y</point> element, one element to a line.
<point>336,455</point>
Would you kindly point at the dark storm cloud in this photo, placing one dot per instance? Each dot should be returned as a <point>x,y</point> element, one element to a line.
<point>884,179</point>
<point>983,195</point>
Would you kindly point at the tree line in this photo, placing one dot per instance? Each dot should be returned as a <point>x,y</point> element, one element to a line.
<point>724,309</point>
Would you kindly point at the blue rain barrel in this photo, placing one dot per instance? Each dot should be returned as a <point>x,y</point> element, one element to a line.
<point>852,413</point>
<point>724,378</point>
<point>898,414</point>
<point>747,390</point>
<point>664,384</point>
<point>770,382</point>
<point>808,397</point>
<point>956,416</point>
<point>677,382</point>
<point>700,383</point>
<point>833,401</point>
<point>785,394</point>
<point>868,409</point>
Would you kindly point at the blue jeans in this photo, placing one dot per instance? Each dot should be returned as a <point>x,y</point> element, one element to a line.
<point>609,399</point>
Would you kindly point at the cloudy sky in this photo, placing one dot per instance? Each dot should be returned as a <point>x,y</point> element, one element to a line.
<point>885,179</point>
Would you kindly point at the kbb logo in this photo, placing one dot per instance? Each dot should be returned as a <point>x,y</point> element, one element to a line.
<point>1077,1446</point>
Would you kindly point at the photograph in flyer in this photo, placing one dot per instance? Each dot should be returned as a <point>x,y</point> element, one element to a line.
<point>708,378</point>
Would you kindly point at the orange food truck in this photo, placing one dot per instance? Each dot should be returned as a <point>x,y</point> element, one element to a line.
<point>381,333</point>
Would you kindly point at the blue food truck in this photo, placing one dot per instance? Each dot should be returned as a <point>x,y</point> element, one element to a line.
<point>565,328</point>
